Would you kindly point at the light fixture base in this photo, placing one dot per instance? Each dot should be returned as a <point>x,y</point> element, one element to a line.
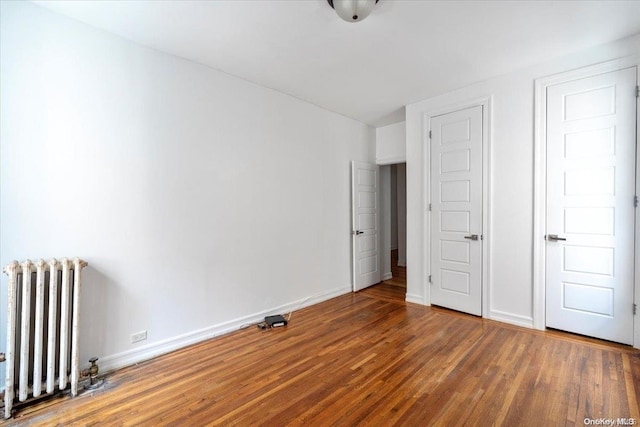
<point>352,10</point>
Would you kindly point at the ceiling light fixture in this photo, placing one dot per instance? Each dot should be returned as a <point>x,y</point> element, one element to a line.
<point>352,10</point>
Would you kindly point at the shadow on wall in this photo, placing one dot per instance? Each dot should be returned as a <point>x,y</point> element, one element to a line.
<point>94,314</point>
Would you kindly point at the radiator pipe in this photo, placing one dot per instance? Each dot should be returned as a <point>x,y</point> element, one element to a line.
<point>92,373</point>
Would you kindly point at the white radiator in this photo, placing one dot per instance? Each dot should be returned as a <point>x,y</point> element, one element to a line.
<point>42,329</point>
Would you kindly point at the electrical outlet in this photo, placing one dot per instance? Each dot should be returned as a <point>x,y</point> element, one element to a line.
<point>138,336</point>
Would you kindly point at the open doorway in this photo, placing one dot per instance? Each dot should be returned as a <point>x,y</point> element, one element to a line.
<point>393,224</point>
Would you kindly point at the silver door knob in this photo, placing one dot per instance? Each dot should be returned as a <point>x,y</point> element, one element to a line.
<point>554,238</point>
<point>472,237</point>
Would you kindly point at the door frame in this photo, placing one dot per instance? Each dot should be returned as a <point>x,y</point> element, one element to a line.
<point>540,183</point>
<point>381,164</point>
<point>486,103</point>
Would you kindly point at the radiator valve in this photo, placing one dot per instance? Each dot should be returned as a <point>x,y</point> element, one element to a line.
<point>92,373</point>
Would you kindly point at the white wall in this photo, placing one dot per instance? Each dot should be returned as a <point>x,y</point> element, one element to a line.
<point>391,144</point>
<point>200,201</point>
<point>511,194</point>
<point>391,150</point>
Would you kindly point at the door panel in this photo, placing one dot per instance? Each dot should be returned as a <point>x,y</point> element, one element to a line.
<point>591,153</point>
<point>456,210</point>
<point>365,219</point>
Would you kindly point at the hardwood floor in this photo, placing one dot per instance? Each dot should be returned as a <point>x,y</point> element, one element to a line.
<point>367,358</point>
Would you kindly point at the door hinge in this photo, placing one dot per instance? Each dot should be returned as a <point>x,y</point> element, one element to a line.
<point>429,278</point>
<point>635,201</point>
<point>429,134</point>
<point>637,96</point>
<point>635,308</point>
<point>429,207</point>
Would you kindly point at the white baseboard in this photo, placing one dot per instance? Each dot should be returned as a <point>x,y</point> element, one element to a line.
<point>414,298</point>
<point>513,319</point>
<point>140,354</point>
<point>387,276</point>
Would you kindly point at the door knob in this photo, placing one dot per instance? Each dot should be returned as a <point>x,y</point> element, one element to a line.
<point>472,237</point>
<point>358,232</point>
<point>554,238</point>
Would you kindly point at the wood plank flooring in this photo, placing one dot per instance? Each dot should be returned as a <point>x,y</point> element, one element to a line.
<point>367,358</point>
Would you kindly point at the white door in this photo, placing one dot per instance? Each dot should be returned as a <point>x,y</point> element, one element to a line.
<point>456,210</point>
<point>365,220</point>
<point>591,152</point>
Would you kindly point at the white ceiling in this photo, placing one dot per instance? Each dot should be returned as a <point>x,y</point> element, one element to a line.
<point>405,51</point>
